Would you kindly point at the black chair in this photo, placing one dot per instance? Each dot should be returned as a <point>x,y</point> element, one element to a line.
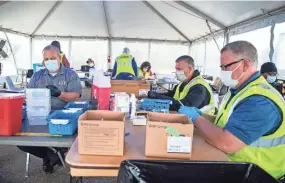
<point>136,171</point>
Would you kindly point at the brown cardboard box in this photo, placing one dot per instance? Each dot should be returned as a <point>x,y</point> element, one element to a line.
<point>101,133</point>
<point>137,87</point>
<point>156,136</point>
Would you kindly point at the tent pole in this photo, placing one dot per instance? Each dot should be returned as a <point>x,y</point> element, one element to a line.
<point>165,20</point>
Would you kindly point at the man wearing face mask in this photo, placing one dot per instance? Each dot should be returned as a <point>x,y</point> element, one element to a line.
<point>250,125</point>
<point>64,85</point>
<point>269,72</point>
<point>193,89</point>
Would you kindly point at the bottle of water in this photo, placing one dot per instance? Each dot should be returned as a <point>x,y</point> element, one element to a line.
<point>154,86</point>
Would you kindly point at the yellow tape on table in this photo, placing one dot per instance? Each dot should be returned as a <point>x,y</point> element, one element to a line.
<point>36,134</point>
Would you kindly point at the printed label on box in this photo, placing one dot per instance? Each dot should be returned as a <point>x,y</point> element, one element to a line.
<point>98,139</point>
<point>179,144</point>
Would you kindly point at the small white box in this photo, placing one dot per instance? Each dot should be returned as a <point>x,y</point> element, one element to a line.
<point>139,121</point>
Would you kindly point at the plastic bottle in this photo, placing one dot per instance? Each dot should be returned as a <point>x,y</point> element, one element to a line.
<point>133,106</point>
<point>154,86</point>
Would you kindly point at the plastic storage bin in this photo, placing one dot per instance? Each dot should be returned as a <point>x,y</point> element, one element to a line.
<point>80,105</point>
<point>155,105</point>
<point>11,106</point>
<point>133,171</point>
<point>63,122</point>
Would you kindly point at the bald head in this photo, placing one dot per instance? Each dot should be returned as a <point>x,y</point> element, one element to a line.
<point>242,50</point>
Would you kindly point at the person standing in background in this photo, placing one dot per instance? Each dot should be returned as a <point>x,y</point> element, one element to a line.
<point>270,73</point>
<point>125,67</point>
<point>90,63</point>
<point>63,59</point>
<point>144,71</point>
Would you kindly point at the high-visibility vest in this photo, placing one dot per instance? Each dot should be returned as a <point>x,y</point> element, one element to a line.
<point>146,75</point>
<point>61,57</point>
<point>124,64</point>
<point>195,81</point>
<point>268,151</point>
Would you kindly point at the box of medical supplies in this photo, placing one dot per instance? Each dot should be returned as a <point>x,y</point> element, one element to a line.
<point>63,122</point>
<point>11,106</point>
<point>168,136</point>
<point>138,87</point>
<point>101,133</point>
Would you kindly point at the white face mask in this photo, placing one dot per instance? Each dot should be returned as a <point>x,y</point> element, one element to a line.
<point>51,65</point>
<point>180,75</point>
<point>226,78</point>
<point>271,79</point>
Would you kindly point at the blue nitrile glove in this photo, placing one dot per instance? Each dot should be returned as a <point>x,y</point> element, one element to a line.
<point>192,112</point>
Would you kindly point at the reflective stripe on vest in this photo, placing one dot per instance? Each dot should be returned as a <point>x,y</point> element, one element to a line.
<point>124,64</point>
<point>197,80</point>
<point>268,151</point>
<point>61,57</point>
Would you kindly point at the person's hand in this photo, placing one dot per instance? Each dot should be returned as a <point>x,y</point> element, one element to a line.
<point>192,112</point>
<point>54,91</point>
<point>152,94</point>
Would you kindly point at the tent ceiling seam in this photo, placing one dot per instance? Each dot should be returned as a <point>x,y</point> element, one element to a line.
<point>3,2</point>
<point>106,19</point>
<point>56,4</point>
<point>201,14</point>
<point>165,20</point>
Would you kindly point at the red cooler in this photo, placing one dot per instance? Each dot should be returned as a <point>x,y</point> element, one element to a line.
<point>102,95</point>
<point>11,106</point>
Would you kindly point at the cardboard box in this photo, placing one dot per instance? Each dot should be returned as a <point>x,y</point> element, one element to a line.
<point>158,139</point>
<point>101,133</point>
<point>138,87</point>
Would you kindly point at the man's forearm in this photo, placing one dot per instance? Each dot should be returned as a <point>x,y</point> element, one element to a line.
<point>69,96</point>
<point>216,135</point>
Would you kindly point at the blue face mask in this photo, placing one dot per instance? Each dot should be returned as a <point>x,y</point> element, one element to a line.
<point>51,65</point>
<point>271,79</point>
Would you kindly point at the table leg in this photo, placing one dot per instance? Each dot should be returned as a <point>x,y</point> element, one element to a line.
<point>27,165</point>
<point>59,155</point>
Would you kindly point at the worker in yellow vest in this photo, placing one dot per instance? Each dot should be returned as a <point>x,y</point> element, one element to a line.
<point>63,59</point>
<point>250,124</point>
<point>145,71</point>
<point>193,90</point>
<point>125,67</point>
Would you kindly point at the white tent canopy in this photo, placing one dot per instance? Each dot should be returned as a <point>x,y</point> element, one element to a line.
<point>126,19</point>
<point>97,29</point>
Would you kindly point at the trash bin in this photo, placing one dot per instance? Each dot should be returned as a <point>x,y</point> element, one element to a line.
<point>136,171</point>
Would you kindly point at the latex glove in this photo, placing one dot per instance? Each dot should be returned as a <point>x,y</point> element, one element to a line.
<point>192,112</point>
<point>54,91</point>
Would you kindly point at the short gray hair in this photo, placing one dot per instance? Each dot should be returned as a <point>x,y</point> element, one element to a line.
<point>186,58</point>
<point>242,49</point>
<point>51,47</point>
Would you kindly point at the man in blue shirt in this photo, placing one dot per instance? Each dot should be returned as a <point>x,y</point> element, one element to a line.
<point>250,123</point>
<point>125,67</point>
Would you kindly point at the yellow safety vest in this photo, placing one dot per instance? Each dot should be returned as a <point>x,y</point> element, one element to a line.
<point>124,64</point>
<point>141,74</point>
<point>268,151</point>
<point>195,81</point>
<point>61,57</point>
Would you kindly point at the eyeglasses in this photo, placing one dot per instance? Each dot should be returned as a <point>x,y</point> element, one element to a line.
<point>224,67</point>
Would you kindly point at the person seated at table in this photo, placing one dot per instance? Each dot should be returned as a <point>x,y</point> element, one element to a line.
<point>192,90</point>
<point>64,85</point>
<point>90,63</point>
<point>269,72</point>
<point>63,59</point>
<point>250,125</point>
<point>144,71</point>
<point>125,67</point>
